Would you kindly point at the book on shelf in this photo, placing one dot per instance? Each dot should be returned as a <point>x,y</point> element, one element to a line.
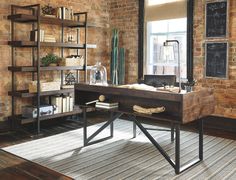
<point>67,86</point>
<point>34,35</point>
<point>49,38</point>
<point>64,104</point>
<point>57,101</point>
<point>71,104</point>
<point>65,13</point>
<point>92,46</point>
<point>67,103</point>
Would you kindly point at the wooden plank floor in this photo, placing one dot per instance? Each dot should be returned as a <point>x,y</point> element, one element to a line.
<point>13,167</point>
<point>48,128</point>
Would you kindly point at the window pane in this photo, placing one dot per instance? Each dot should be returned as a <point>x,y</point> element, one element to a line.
<point>158,33</point>
<point>176,25</point>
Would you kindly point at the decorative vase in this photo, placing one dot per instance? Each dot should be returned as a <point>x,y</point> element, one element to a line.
<point>117,67</point>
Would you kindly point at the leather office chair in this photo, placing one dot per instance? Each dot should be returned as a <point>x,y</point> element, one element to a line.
<point>159,81</point>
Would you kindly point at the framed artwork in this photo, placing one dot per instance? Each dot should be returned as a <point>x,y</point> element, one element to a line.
<point>216,60</point>
<point>217,19</point>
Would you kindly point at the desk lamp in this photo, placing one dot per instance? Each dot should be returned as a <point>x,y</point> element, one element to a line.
<point>168,43</point>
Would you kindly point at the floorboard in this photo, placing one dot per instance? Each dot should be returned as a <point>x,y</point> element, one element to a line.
<point>13,167</point>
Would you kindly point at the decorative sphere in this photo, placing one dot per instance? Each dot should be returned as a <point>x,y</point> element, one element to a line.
<point>101,98</point>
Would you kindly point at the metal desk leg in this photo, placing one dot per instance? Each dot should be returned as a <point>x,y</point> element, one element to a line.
<point>172,132</point>
<point>200,139</point>
<point>111,125</point>
<point>85,126</point>
<point>177,149</point>
<point>88,140</point>
<point>178,168</point>
<point>134,130</point>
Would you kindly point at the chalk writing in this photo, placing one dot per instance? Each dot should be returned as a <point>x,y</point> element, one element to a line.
<point>216,59</point>
<point>216,19</point>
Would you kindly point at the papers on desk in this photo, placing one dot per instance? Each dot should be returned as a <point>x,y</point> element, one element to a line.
<point>168,89</point>
<point>139,87</point>
<point>150,88</point>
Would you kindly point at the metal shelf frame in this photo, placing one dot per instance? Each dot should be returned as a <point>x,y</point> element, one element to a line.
<point>35,19</point>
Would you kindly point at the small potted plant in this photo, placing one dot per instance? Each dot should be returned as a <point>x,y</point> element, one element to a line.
<point>189,85</point>
<point>49,59</point>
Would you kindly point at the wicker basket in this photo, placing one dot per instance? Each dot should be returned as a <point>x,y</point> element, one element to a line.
<point>73,61</point>
<point>44,86</point>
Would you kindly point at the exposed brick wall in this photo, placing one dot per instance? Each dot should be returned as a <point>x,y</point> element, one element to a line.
<point>97,13</point>
<point>124,16</point>
<point>224,90</point>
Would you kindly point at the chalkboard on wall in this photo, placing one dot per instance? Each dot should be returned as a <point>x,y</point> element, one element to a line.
<point>216,62</point>
<point>216,19</point>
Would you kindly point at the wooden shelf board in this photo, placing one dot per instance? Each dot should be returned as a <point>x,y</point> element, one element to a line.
<point>48,68</point>
<point>26,94</point>
<point>26,18</point>
<point>22,18</point>
<point>65,45</point>
<point>49,44</point>
<point>24,120</point>
<point>22,43</point>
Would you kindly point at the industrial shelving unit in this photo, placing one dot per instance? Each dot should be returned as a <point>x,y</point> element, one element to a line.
<point>35,19</point>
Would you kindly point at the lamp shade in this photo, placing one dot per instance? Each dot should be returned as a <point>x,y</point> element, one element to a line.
<point>167,53</point>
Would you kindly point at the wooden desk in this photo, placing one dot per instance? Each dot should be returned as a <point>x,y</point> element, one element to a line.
<point>179,109</point>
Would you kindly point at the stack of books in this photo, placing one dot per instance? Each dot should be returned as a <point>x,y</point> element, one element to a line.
<point>49,38</point>
<point>65,13</point>
<point>107,105</point>
<point>34,36</point>
<point>62,103</point>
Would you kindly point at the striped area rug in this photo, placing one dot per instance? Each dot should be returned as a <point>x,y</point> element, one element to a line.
<point>125,158</point>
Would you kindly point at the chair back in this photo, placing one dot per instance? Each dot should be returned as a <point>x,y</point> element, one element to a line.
<point>159,80</point>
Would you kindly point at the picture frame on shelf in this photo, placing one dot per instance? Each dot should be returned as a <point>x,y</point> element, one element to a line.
<point>216,19</point>
<point>216,59</point>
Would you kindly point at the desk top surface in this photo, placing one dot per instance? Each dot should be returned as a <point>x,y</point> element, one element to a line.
<point>170,94</point>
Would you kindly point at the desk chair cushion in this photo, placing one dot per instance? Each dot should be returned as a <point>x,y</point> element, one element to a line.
<point>159,80</point>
